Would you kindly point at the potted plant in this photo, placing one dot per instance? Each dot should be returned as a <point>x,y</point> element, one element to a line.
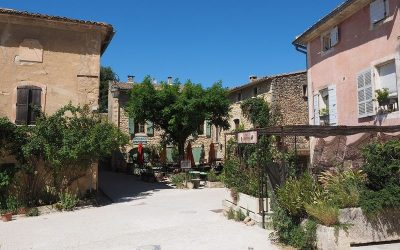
<point>6,215</point>
<point>324,115</point>
<point>382,96</point>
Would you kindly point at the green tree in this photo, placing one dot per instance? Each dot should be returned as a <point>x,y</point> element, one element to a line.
<point>106,75</point>
<point>179,109</point>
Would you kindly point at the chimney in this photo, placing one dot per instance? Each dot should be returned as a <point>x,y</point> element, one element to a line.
<point>131,79</point>
<point>169,80</point>
<point>252,78</point>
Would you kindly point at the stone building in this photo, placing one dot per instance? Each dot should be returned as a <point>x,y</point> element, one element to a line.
<point>47,62</point>
<point>287,94</point>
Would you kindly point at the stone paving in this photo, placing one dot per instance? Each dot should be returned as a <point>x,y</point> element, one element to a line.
<point>145,215</point>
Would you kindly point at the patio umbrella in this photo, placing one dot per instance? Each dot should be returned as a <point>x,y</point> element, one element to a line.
<point>140,156</point>
<point>189,154</point>
<point>163,155</point>
<point>211,154</point>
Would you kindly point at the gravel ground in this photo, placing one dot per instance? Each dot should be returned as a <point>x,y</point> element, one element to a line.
<point>147,214</point>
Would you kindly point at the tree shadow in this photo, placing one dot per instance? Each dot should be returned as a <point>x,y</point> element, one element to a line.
<point>119,187</point>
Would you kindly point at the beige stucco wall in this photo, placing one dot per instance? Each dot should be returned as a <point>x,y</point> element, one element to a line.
<point>70,67</point>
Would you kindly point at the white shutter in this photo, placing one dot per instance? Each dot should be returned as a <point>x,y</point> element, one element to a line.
<point>365,94</point>
<point>334,36</point>
<point>377,10</point>
<point>316,110</point>
<point>332,106</point>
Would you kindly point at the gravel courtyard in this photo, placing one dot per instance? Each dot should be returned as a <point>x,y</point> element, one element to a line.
<point>145,214</point>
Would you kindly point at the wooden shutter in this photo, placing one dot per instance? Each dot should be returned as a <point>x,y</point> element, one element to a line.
<point>208,129</point>
<point>365,94</point>
<point>377,11</point>
<point>316,110</point>
<point>149,128</point>
<point>22,105</point>
<point>332,105</point>
<point>131,126</point>
<point>34,104</point>
<point>334,36</point>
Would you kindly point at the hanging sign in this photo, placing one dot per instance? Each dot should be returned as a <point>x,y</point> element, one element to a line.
<point>186,164</point>
<point>247,137</point>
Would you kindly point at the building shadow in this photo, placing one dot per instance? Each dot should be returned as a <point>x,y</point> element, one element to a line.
<point>121,187</point>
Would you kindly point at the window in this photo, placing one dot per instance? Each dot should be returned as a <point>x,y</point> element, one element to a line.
<point>387,80</point>
<point>325,110</point>
<point>139,128</point>
<point>255,92</point>
<point>365,94</point>
<point>28,104</point>
<point>239,97</point>
<point>330,39</point>
<point>305,91</point>
<point>379,10</point>
<point>149,129</point>
<point>208,129</point>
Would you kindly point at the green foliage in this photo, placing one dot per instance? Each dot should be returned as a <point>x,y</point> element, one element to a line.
<point>382,164</point>
<point>231,214</point>
<point>239,215</point>
<point>288,230</point>
<point>178,179</point>
<point>324,111</point>
<point>342,187</point>
<point>382,167</point>
<point>33,212</point>
<point>293,196</point>
<point>212,176</point>
<point>179,109</point>
<point>257,111</point>
<point>70,140</point>
<point>68,201</point>
<point>13,204</point>
<point>106,75</point>
<point>323,212</point>
<point>382,95</point>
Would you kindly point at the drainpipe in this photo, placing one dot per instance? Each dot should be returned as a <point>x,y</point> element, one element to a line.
<point>302,49</point>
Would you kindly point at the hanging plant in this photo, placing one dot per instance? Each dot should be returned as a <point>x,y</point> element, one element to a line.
<point>382,96</point>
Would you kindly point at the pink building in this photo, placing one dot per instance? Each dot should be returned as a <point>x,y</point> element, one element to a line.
<point>352,53</point>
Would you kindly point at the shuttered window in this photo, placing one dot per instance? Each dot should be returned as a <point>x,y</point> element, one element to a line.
<point>131,126</point>
<point>208,129</point>
<point>330,39</point>
<point>388,78</point>
<point>28,104</point>
<point>316,110</point>
<point>365,94</point>
<point>379,9</point>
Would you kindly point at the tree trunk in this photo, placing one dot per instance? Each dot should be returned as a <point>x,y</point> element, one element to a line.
<point>181,150</point>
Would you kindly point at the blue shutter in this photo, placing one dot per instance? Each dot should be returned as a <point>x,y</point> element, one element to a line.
<point>131,126</point>
<point>332,105</point>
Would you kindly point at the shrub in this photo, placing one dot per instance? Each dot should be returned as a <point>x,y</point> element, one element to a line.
<point>324,213</point>
<point>239,215</point>
<point>375,202</point>
<point>212,176</point>
<point>288,230</point>
<point>68,201</point>
<point>342,187</point>
<point>231,214</point>
<point>33,212</point>
<point>13,204</point>
<point>178,179</point>
<point>296,193</point>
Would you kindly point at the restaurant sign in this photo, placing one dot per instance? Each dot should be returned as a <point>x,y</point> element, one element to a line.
<point>247,137</point>
<point>140,139</point>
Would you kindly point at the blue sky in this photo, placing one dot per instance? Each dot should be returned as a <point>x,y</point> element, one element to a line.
<point>204,40</point>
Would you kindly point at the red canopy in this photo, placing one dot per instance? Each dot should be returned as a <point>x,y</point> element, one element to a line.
<point>211,154</point>
<point>189,154</point>
<point>140,155</point>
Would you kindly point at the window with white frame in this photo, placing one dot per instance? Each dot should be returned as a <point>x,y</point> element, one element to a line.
<point>330,39</point>
<point>379,10</point>
<point>387,80</point>
<point>325,110</point>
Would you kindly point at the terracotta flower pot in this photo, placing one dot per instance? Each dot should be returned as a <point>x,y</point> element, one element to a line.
<point>22,210</point>
<point>6,217</point>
